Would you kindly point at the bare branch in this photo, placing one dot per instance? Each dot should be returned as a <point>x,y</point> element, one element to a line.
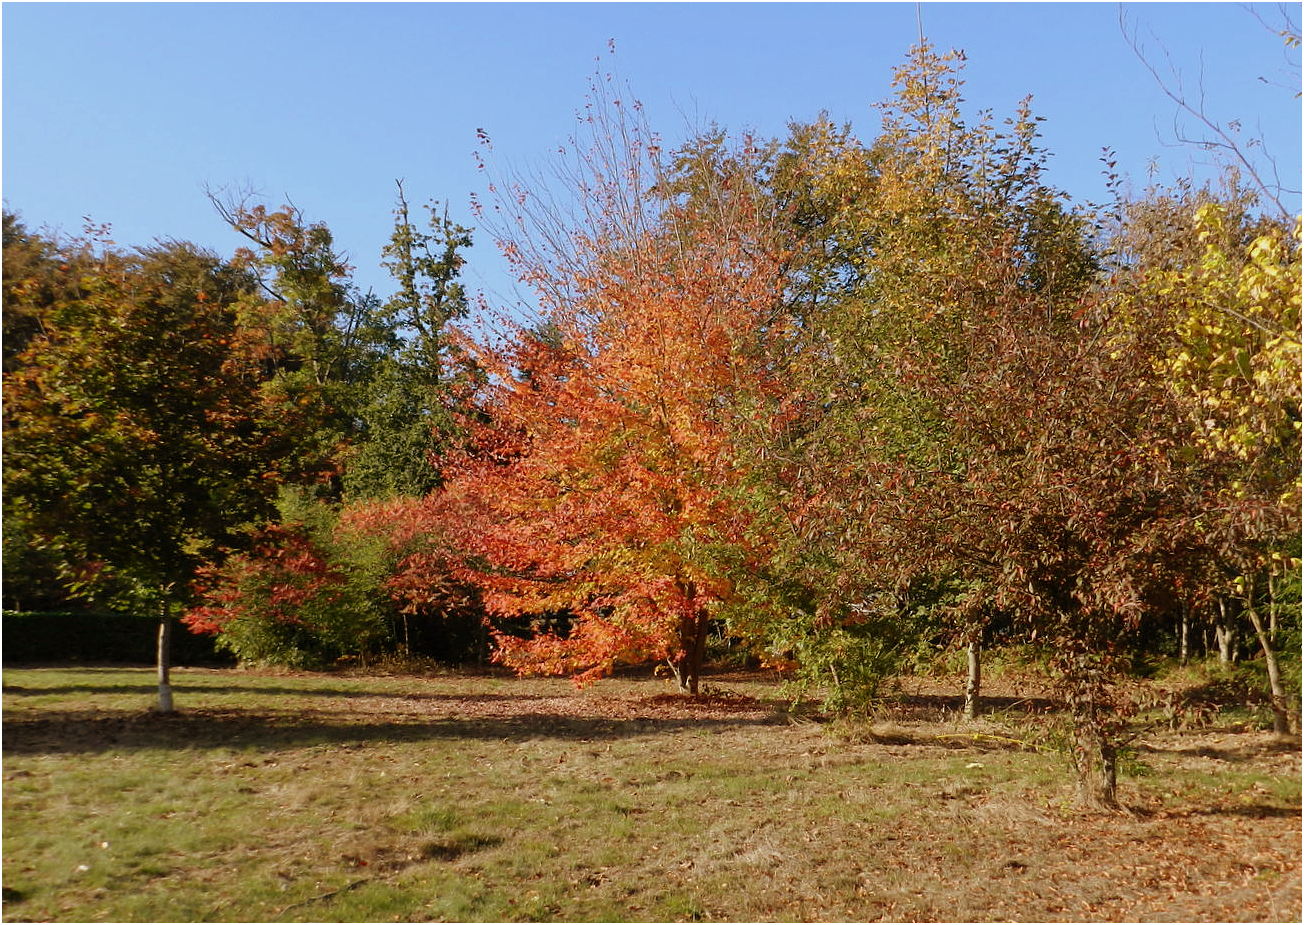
<point>1220,137</point>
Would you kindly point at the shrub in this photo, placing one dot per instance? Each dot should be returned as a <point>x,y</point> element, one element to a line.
<point>285,603</point>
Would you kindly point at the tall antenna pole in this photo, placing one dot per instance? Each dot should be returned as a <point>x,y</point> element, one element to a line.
<point>919,21</point>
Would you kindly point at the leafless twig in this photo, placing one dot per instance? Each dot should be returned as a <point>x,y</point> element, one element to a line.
<point>1221,137</point>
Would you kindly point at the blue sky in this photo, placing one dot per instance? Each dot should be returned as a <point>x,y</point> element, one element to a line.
<point>124,111</point>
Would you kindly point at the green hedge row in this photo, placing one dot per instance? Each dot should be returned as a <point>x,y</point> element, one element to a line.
<point>94,637</point>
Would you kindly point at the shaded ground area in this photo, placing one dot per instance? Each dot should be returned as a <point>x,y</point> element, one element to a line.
<point>363,717</point>
<point>288,797</point>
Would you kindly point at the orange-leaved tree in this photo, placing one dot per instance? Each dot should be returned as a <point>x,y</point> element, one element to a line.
<point>603,469</point>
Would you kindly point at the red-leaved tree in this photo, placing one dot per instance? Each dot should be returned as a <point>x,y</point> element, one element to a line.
<point>603,469</point>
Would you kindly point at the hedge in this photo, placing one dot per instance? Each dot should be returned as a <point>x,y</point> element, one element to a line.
<point>80,637</point>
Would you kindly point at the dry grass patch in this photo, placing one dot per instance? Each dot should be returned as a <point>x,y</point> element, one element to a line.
<point>326,798</point>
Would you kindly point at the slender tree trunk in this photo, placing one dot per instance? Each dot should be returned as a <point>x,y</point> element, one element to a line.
<point>1226,635</point>
<point>1272,608</point>
<point>973,686</point>
<point>1184,632</point>
<point>1280,712</point>
<point>165,664</point>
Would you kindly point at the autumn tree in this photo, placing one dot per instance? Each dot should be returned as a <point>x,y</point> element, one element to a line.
<point>374,385</point>
<point>321,584</point>
<point>606,469</point>
<point>38,274</point>
<point>1223,313</point>
<point>301,595</point>
<point>433,602</point>
<point>902,248</point>
<point>137,436</point>
<point>319,338</point>
<point>998,440</point>
<point>1227,291</point>
<point>375,380</point>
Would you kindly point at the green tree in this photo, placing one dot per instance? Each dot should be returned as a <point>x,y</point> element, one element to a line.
<point>322,341</point>
<point>407,419</point>
<point>138,440</point>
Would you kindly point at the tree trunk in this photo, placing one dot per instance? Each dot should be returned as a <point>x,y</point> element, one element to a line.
<point>973,686</point>
<point>1226,636</point>
<point>1086,679</point>
<point>687,667</point>
<point>1096,762</point>
<point>1281,718</point>
<point>1272,609</point>
<point>165,664</point>
<point>1184,650</point>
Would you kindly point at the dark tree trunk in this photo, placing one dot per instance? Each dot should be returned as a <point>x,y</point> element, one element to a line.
<point>486,643</point>
<point>687,667</point>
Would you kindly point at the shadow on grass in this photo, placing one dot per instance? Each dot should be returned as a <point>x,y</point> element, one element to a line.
<point>1246,811</point>
<point>191,688</point>
<point>1239,753</point>
<point>1252,811</point>
<point>64,732</point>
<point>943,703</point>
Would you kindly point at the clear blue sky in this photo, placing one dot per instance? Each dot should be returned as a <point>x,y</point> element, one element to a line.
<point>124,111</point>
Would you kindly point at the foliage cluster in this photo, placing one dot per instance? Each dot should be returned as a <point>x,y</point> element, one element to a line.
<point>319,588</point>
<point>159,402</point>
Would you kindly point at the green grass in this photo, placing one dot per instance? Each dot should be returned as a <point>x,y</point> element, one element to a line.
<point>332,798</point>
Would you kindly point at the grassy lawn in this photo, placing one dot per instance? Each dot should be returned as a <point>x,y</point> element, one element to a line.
<point>331,798</point>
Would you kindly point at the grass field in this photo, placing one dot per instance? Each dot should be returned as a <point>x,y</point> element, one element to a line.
<point>274,797</point>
